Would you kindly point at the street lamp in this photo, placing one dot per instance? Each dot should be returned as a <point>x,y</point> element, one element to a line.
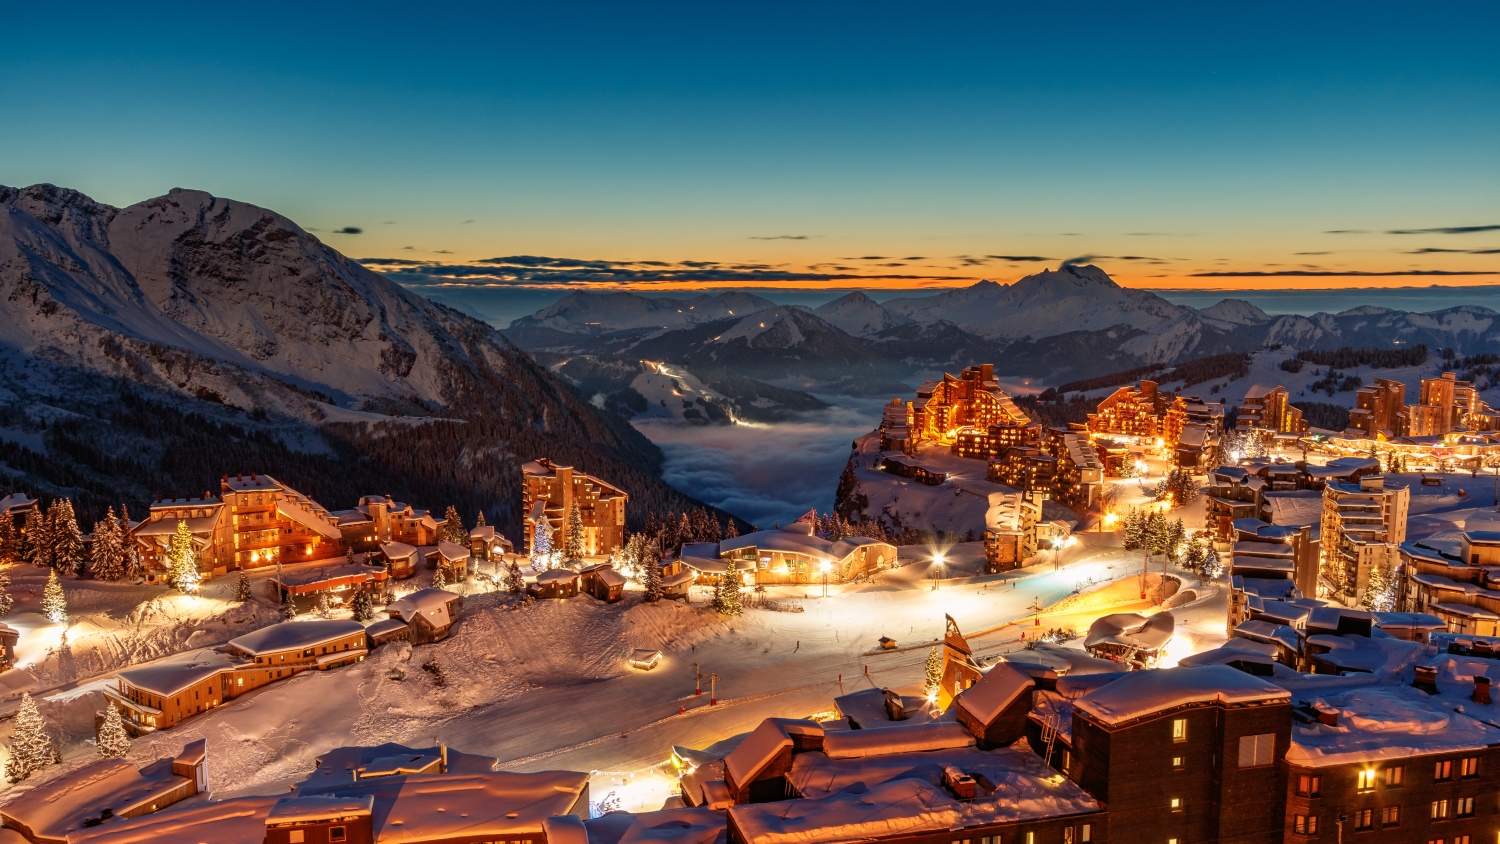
<point>1057,545</point>
<point>937,568</point>
<point>824,566</point>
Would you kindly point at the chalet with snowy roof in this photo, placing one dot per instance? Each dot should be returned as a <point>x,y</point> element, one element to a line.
<point>9,638</point>
<point>429,615</point>
<point>159,695</point>
<point>301,645</point>
<point>58,810</point>
<point>485,543</point>
<point>555,583</point>
<point>400,559</point>
<point>16,505</point>
<point>1132,639</point>
<point>549,491</point>
<point>378,520</point>
<point>343,579</point>
<point>451,559</point>
<point>384,795</point>
<point>255,521</point>
<point>602,581</point>
<point>793,554</point>
<point>870,708</point>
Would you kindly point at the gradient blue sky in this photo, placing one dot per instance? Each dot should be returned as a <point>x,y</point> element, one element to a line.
<point>1208,139</point>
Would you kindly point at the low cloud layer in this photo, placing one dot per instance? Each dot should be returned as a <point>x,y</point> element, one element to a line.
<point>1321,273</point>
<point>763,474</point>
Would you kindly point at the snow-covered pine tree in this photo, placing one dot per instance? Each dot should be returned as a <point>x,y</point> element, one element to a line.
<point>36,540</point>
<point>67,540</point>
<point>541,546</point>
<point>107,553</point>
<point>453,527</point>
<point>514,583</point>
<point>438,580</point>
<point>54,602</point>
<point>133,567</point>
<point>651,567</point>
<point>479,521</point>
<point>7,603</point>
<point>327,606</point>
<point>684,532</point>
<point>31,749</point>
<point>113,742</point>
<point>730,531</point>
<point>9,540</point>
<point>934,679</point>
<point>363,606</point>
<point>1176,536</point>
<point>242,591</point>
<point>1212,567</point>
<point>182,560</point>
<point>288,607</point>
<point>727,601</point>
<point>573,547</point>
<point>1135,530</point>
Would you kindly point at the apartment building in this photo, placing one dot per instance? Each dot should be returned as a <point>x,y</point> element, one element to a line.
<point>1363,525</point>
<point>1459,584</point>
<point>1379,410</point>
<point>1268,408</point>
<point>549,491</point>
<point>1135,411</point>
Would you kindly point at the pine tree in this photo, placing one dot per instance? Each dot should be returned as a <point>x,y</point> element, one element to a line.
<point>479,522</point>
<point>934,679</point>
<point>363,606</point>
<point>242,591</point>
<point>573,546</point>
<point>107,553</point>
<point>326,605</point>
<point>36,542</point>
<point>453,527</point>
<point>1176,535</point>
<point>9,540</point>
<point>7,603</point>
<point>67,541</point>
<point>133,567</point>
<point>727,599</point>
<point>730,531</point>
<point>652,572</point>
<point>1134,537</point>
<point>513,580</point>
<point>54,602</point>
<point>182,560</point>
<point>31,749</point>
<point>541,546</point>
<point>288,607</point>
<point>438,580</point>
<point>113,741</point>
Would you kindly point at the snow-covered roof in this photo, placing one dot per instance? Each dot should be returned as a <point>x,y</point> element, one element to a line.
<point>904,738</point>
<point>238,820</point>
<point>294,635</point>
<point>171,675</point>
<point>16,501</point>
<point>397,550</point>
<point>431,604</point>
<point>1359,653</point>
<point>1386,720</point>
<point>561,575</point>
<point>316,807</point>
<point>1131,630</point>
<point>1142,693</point>
<point>867,708</point>
<point>451,552</point>
<point>670,826</point>
<point>762,745</point>
<point>470,806</point>
<point>338,767</point>
<point>999,688</point>
<point>1060,660</point>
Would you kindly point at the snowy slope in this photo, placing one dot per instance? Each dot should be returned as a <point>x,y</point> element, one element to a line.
<point>858,314</point>
<point>597,313</point>
<point>1070,298</point>
<point>146,290</point>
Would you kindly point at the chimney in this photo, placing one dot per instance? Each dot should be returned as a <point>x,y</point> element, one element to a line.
<point>443,752</point>
<point>1329,716</point>
<point>1426,679</point>
<point>1481,689</point>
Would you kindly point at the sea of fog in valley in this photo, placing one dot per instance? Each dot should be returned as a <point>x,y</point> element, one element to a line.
<point>765,473</point>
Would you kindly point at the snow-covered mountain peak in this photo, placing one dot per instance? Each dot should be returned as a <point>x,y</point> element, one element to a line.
<point>858,314</point>
<point>1236,312</point>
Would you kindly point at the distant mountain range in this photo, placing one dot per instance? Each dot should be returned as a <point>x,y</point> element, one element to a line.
<point>152,348</point>
<point>1063,324</point>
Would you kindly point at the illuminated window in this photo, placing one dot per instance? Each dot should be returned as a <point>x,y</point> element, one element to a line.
<point>1468,767</point>
<point>1305,824</point>
<point>1176,804</point>
<point>1443,771</point>
<point>1309,786</point>
<point>1364,818</point>
<point>1439,810</point>
<point>1179,729</point>
<point>1390,816</point>
<point>1366,779</point>
<point>1463,807</point>
<point>1395,775</point>
<point>1178,763</point>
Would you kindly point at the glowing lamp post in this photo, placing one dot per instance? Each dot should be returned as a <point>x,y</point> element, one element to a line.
<point>824,567</point>
<point>937,568</point>
<point>1057,545</point>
